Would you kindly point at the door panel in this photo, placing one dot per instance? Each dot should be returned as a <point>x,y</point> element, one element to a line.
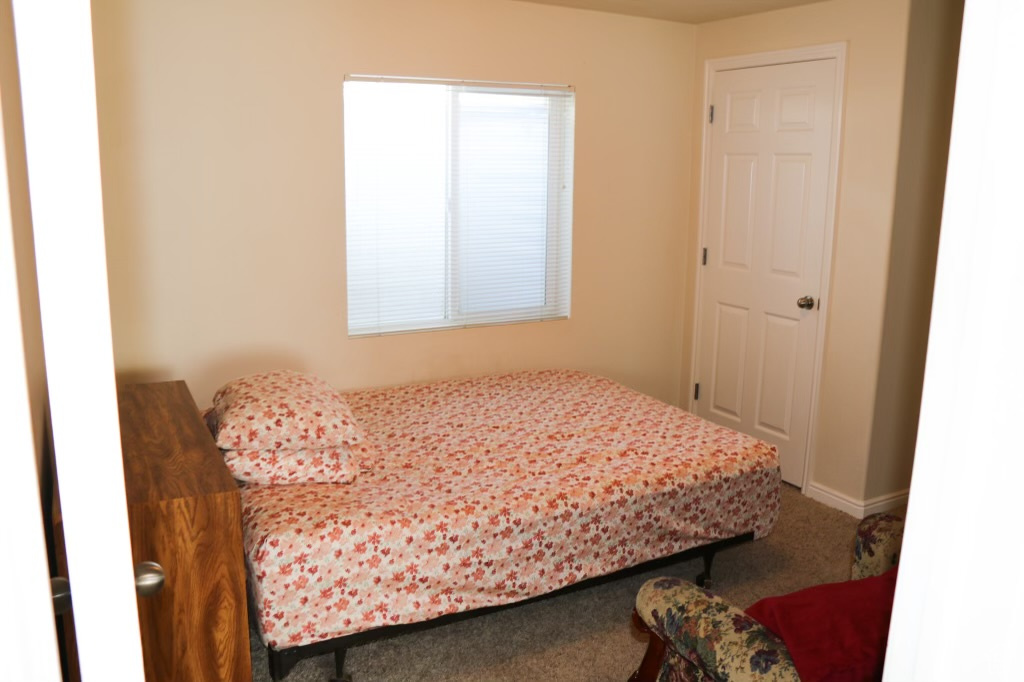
<point>768,181</point>
<point>795,109</point>
<point>731,354</point>
<point>778,353</point>
<point>55,60</point>
<point>790,195</point>
<point>743,111</point>
<point>738,210</point>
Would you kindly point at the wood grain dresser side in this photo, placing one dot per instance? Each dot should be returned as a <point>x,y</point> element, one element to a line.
<point>184,511</point>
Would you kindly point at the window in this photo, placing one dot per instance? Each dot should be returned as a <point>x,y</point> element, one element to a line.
<point>458,203</point>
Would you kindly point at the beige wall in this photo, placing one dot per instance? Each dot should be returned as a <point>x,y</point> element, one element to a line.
<point>21,218</point>
<point>875,32</point>
<point>221,143</point>
<point>933,47</point>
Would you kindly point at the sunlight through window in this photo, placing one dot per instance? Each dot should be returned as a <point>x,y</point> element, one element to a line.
<point>458,204</point>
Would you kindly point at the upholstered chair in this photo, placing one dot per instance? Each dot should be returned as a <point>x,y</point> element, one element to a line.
<point>696,636</point>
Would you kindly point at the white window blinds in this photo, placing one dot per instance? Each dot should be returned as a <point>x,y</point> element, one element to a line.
<point>458,203</point>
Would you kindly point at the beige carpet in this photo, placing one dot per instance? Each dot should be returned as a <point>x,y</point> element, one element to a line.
<point>587,635</point>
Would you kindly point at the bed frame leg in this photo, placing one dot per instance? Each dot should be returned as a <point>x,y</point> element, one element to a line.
<point>339,666</point>
<point>281,662</point>
<point>703,578</point>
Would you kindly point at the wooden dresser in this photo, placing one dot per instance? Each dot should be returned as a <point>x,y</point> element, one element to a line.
<point>184,512</point>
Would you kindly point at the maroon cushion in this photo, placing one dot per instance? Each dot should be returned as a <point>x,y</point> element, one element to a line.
<point>835,632</point>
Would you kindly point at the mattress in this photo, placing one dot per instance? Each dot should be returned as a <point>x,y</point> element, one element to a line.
<point>493,490</point>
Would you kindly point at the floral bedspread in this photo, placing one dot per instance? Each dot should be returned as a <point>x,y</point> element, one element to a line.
<point>493,490</point>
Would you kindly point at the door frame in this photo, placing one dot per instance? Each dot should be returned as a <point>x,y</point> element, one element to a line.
<point>837,52</point>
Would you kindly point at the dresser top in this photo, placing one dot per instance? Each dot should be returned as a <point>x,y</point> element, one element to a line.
<point>168,450</point>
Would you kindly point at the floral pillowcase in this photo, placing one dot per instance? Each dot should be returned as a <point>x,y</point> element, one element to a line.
<point>279,467</point>
<point>287,427</point>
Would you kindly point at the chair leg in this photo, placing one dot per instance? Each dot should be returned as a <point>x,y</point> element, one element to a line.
<point>650,666</point>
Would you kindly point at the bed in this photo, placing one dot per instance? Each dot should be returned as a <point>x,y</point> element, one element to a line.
<point>490,491</point>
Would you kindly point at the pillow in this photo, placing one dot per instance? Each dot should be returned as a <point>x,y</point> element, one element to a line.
<point>276,467</point>
<point>835,632</point>
<point>282,410</point>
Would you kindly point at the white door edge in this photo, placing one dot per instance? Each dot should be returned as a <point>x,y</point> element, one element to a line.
<point>28,630</point>
<point>58,95</point>
<point>834,51</point>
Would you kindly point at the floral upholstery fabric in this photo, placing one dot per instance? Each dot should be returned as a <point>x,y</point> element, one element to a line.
<point>492,490</point>
<point>877,548</point>
<point>677,668</point>
<point>710,639</point>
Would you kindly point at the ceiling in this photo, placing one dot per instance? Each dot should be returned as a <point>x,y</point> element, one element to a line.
<point>686,11</point>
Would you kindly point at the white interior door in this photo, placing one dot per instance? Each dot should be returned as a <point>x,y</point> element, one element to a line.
<point>28,632</point>
<point>767,204</point>
<point>55,59</point>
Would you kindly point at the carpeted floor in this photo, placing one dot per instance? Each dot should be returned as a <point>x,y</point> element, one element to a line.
<point>586,635</point>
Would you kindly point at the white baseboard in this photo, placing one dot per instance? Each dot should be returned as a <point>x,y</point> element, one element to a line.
<point>853,507</point>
